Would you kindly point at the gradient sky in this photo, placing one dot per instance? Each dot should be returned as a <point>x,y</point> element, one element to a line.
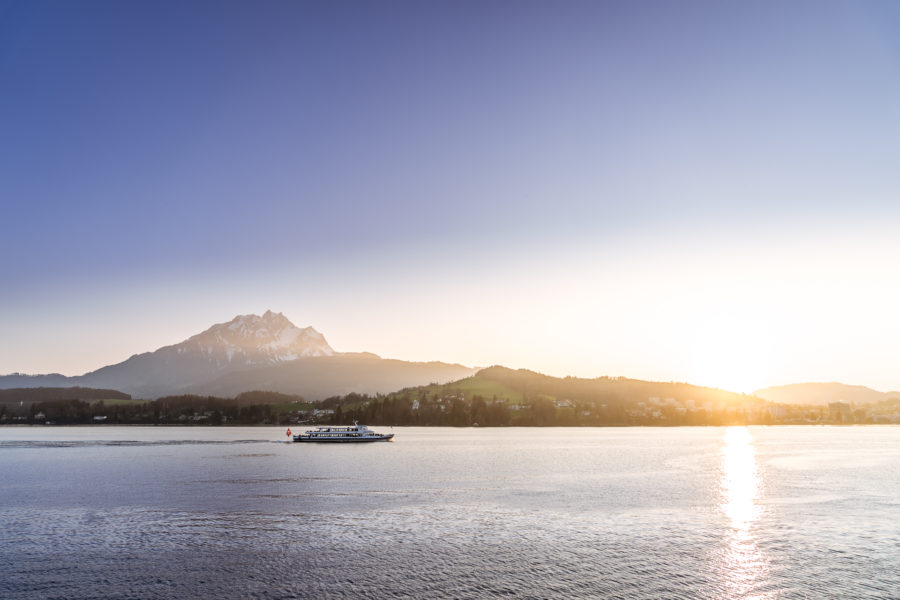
<point>700,191</point>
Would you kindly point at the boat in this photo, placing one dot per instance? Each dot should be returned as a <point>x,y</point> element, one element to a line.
<point>343,433</point>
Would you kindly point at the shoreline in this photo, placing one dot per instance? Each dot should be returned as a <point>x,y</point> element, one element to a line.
<point>268,425</point>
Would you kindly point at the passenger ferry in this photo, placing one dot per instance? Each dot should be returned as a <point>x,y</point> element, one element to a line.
<point>351,433</point>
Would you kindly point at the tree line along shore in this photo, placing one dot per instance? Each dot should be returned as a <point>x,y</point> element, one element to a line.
<point>494,398</point>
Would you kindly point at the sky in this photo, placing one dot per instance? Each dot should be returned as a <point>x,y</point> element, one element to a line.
<point>676,191</point>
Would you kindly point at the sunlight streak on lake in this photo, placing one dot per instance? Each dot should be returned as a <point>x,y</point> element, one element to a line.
<point>743,562</point>
<point>740,485</point>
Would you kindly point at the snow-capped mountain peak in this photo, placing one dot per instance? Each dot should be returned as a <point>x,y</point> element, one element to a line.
<point>254,340</point>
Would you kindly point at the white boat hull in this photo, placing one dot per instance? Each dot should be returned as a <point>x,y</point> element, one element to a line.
<point>345,440</point>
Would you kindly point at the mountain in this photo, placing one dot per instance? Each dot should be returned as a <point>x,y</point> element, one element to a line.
<point>823,393</point>
<point>251,352</point>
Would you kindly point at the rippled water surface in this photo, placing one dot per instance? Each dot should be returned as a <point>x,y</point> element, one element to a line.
<point>746,512</point>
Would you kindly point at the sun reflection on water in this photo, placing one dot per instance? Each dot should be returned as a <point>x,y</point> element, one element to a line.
<point>744,565</point>
<point>740,486</point>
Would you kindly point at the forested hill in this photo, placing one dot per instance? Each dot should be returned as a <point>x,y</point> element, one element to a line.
<point>522,385</point>
<point>499,396</point>
<point>45,394</point>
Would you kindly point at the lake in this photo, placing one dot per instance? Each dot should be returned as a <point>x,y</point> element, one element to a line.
<point>705,512</point>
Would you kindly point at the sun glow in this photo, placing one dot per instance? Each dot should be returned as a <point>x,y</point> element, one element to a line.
<point>731,353</point>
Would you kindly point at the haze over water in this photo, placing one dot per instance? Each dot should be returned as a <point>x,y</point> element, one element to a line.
<point>742,512</point>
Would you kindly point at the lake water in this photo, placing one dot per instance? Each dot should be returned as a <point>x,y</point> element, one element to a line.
<point>745,512</point>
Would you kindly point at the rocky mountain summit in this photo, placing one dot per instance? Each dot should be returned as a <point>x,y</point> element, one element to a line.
<point>254,340</point>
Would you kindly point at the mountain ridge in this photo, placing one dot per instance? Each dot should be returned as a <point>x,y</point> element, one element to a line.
<point>822,393</point>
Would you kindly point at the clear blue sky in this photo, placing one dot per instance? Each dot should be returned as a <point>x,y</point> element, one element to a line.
<point>415,178</point>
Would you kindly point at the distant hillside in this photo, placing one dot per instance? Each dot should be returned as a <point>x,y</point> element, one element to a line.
<point>521,385</point>
<point>45,394</point>
<point>823,393</point>
<point>22,380</point>
<point>320,377</point>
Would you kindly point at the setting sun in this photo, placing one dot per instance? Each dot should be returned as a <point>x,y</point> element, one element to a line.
<point>730,353</point>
